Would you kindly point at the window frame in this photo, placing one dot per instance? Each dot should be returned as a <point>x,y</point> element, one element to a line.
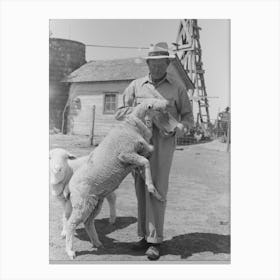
<point>106,93</point>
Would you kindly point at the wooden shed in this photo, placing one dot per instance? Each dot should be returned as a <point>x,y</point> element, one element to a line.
<point>95,91</point>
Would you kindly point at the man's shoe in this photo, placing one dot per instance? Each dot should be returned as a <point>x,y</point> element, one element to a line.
<point>153,252</point>
<point>140,245</point>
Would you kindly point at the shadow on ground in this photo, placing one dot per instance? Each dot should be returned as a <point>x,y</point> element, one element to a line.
<point>103,227</point>
<point>184,245</point>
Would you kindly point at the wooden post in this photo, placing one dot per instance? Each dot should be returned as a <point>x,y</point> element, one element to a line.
<point>92,127</point>
<point>228,136</point>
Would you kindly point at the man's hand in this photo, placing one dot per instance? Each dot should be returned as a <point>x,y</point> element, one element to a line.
<point>180,130</point>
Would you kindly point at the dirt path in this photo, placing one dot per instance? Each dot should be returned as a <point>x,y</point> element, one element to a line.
<point>197,223</point>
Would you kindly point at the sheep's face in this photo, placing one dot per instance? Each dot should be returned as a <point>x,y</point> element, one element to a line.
<point>149,108</point>
<point>153,108</point>
<point>58,164</point>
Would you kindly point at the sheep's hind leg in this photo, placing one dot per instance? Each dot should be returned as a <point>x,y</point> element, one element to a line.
<point>111,198</point>
<point>91,231</point>
<point>74,220</point>
<point>93,208</point>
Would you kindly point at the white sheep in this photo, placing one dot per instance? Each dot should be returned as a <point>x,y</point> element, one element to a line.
<point>121,151</point>
<point>62,166</point>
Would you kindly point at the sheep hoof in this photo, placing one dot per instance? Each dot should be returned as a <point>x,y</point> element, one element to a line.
<point>158,196</point>
<point>112,220</point>
<point>71,254</point>
<point>151,188</point>
<point>97,244</point>
<point>151,148</point>
<point>63,234</point>
<point>155,193</point>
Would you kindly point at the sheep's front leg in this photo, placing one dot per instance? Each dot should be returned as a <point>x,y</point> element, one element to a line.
<point>64,222</point>
<point>144,149</point>
<point>67,210</point>
<point>111,198</point>
<point>138,160</point>
<point>63,202</point>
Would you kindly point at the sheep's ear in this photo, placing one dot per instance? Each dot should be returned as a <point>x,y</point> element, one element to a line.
<point>71,156</point>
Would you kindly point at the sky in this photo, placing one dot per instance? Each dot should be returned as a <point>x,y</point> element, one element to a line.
<point>141,33</point>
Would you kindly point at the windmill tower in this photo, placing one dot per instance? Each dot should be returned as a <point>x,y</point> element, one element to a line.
<point>189,51</point>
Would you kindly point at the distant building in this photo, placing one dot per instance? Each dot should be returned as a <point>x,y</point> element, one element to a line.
<point>65,56</point>
<point>95,91</point>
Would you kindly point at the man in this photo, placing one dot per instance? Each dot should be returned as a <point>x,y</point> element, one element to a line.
<point>225,121</point>
<point>151,211</point>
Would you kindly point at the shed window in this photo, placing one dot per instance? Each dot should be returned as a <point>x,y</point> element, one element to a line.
<point>110,103</point>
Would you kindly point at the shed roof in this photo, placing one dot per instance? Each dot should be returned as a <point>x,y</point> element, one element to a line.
<point>109,70</point>
<point>123,69</point>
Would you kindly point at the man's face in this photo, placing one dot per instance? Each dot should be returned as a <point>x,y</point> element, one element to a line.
<point>158,67</point>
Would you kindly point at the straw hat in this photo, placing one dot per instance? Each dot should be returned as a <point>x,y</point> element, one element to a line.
<point>159,50</point>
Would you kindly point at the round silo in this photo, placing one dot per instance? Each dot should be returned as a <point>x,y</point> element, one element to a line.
<point>64,57</point>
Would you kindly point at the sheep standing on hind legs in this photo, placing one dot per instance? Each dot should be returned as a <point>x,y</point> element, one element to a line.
<point>62,166</point>
<point>118,154</point>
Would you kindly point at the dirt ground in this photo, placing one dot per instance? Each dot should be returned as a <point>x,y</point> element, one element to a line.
<point>197,221</point>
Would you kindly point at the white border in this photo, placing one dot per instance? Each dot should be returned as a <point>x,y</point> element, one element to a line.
<point>255,138</point>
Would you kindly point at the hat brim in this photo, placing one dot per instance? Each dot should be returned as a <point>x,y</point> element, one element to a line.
<point>159,57</point>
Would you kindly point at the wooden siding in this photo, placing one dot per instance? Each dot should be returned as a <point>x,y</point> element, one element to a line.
<point>92,94</point>
<point>58,94</point>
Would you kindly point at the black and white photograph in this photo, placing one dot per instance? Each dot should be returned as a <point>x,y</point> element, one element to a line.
<point>139,140</point>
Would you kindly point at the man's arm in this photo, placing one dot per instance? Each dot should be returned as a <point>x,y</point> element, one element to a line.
<point>185,109</point>
<point>128,101</point>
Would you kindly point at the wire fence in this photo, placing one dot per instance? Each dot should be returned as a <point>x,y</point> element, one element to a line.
<point>200,134</point>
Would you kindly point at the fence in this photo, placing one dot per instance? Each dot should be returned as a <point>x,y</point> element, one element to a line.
<point>219,130</point>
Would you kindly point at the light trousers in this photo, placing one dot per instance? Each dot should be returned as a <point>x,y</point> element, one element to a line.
<point>151,211</point>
